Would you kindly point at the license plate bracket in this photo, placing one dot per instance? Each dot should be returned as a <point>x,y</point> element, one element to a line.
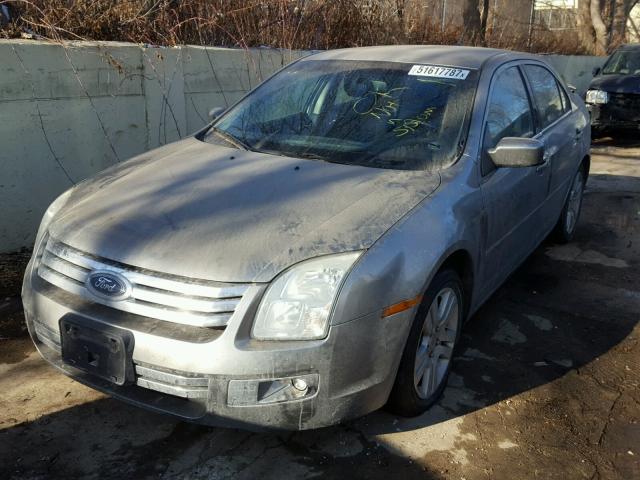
<point>97,349</point>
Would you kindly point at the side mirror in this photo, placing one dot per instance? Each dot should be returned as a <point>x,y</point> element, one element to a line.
<point>215,112</point>
<point>512,152</point>
<point>572,88</point>
<point>596,71</point>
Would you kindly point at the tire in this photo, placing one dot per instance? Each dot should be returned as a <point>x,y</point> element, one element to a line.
<point>407,397</point>
<point>597,132</point>
<point>566,226</point>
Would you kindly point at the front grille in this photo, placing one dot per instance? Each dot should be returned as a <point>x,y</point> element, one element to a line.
<point>154,295</point>
<point>625,100</point>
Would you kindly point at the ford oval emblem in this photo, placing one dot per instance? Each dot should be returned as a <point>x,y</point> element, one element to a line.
<point>108,285</point>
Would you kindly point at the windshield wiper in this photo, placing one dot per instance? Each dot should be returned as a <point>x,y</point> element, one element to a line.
<point>236,142</point>
<point>311,156</point>
<point>315,156</point>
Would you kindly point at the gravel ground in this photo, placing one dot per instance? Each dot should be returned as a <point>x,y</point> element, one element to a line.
<point>11,318</point>
<point>545,384</point>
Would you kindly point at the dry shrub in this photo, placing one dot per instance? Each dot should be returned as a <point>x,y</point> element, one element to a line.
<point>299,24</point>
<point>279,23</point>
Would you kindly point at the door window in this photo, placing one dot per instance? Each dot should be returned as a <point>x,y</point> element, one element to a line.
<point>509,113</point>
<point>546,94</point>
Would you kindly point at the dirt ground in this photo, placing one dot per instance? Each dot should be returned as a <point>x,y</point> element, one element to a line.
<point>545,384</point>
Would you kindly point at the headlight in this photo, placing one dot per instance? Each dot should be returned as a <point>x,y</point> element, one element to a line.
<point>51,212</point>
<point>597,97</point>
<point>297,305</point>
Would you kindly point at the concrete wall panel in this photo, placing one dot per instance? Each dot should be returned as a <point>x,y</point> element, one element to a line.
<point>164,95</point>
<point>577,71</point>
<point>45,70</point>
<point>35,168</point>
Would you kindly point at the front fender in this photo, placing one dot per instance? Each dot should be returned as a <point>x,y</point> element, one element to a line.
<point>401,264</point>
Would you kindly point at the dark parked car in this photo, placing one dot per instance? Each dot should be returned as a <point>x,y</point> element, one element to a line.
<point>613,97</point>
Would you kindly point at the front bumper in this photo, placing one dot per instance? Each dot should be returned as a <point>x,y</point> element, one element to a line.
<point>219,377</point>
<point>621,112</point>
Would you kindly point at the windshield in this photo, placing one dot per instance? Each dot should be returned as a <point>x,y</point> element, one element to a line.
<point>377,114</point>
<point>623,62</point>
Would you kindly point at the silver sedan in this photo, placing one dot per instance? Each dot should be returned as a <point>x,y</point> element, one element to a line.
<point>312,254</point>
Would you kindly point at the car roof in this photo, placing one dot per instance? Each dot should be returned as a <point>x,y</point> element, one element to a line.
<point>457,56</point>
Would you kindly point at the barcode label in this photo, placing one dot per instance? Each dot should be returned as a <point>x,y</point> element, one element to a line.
<point>439,72</point>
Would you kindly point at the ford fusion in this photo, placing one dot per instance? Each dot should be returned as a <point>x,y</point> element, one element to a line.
<point>312,254</point>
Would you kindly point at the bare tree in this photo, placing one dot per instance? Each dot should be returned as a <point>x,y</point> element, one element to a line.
<point>484,16</point>
<point>599,27</point>
<point>602,24</point>
<point>621,11</point>
<point>473,31</point>
<point>400,7</point>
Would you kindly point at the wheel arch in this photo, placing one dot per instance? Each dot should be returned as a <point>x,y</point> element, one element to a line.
<point>460,261</point>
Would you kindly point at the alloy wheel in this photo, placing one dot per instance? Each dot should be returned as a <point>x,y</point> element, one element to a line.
<point>574,202</point>
<point>436,343</point>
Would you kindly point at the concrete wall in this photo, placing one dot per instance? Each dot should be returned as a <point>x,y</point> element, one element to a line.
<point>575,70</point>
<point>67,112</point>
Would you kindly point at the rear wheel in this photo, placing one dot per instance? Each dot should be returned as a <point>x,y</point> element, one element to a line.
<point>566,226</point>
<point>426,360</point>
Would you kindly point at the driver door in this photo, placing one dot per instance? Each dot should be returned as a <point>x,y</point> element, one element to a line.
<point>513,197</point>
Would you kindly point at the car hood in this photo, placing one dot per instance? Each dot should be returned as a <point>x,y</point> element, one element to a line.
<point>210,212</point>
<point>617,83</point>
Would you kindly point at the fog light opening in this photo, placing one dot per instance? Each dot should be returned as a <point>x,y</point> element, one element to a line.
<point>269,391</point>
<point>299,384</point>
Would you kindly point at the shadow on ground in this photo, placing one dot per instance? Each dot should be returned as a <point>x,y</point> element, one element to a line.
<point>621,139</point>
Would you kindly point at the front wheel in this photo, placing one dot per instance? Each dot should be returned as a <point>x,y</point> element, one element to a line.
<point>426,360</point>
<point>566,226</point>
<point>597,132</point>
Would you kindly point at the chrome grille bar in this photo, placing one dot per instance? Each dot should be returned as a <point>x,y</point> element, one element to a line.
<point>172,383</point>
<point>153,279</point>
<point>154,295</point>
<point>47,336</point>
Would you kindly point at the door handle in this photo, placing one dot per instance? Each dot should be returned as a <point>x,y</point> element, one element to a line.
<point>578,134</point>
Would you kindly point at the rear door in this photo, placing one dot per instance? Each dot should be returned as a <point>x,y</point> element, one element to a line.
<point>559,133</point>
<point>513,197</point>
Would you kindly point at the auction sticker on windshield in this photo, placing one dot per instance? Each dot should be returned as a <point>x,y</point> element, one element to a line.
<point>439,72</point>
